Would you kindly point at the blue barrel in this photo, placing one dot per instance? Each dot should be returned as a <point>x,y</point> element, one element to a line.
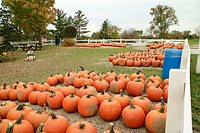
<point>172,60</point>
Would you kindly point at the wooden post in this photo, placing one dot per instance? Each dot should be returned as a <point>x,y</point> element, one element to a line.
<point>174,122</point>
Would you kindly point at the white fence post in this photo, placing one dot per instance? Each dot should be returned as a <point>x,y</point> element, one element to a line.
<point>198,60</point>
<point>174,122</point>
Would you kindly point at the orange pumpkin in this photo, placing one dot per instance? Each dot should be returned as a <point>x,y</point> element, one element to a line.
<point>101,84</point>
<point>36,117</point>
<point>3,123</point>
<point>18,126</point>
<point>102,96</point>
<point>116,85</point>
<point>5,107</point>
<point>133,116</point>
<point>55,99</point>
<point>4,91</point>
<point>51,80</point>
<point>110,110</point>
<point>12,95</point>
<point>154,93</point>
<point>42,98</point>
<point>135,88</point>
<point>59,77</point>
<point>15,113</point>
<point>77,82</point>
<point>23,93</point>
<point>136,75</point>
<point>67,90</point>
<point>70,103</point>
<point>81,127</point>
<point>32,98</point>
<point>88,106</point>
<point>56,124</point>
<point>86,90</point>
<point>122,99</point>
<point>143,102</point>
<point>155,121</point>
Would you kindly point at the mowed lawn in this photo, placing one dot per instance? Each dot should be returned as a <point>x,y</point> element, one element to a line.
<point>57,59</point>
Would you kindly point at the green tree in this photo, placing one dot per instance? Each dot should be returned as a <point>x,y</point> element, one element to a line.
<point>186,34</point>
<point>114,32</point>
<point>176,34</point>
<point>163,18</point>
<point>104,31</point>
<point>32,16</point>
<point>8,29</point>
<point>60,22</point>
<point>95,35</point>
<point>80,22</point>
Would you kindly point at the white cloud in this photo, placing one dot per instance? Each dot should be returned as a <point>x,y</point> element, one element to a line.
<point>131,13</point>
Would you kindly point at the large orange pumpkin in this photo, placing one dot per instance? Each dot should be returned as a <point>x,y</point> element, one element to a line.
<point>135,87</point>
<point>88,106</point>
<point>110,110</point>
<point>133,116</point>
<point>70,103</point>
<point>56,124</point>
<point>154,93</point>
<point>81,127</point>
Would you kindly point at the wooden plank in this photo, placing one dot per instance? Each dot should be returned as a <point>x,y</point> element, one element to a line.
<point>174,122</point>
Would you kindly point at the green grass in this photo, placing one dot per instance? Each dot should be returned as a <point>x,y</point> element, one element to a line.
<point>195,92</point>
<point>193,41</point>
<point>56,59</point>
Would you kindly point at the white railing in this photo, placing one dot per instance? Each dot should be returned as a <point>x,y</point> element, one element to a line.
<point>179,115</point>
<point>131,42</point>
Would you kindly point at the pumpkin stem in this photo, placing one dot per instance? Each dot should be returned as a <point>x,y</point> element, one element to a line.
<point>39,111</point>
<point>109,100</point>
<point>19,120</point>
<point>40,128</point>
<point>103,92</point>
<point>138,72</point>
<point>151,80</point>
<point>10,127</point>
<point>157,86</point>
<point>143,96</point>
<point>24,86</point>
<point>15,87</point>
<point>116,79</point>
<point>72,94</point>
<point>100,78</point>
<point>20,107</point>
<point>82,125</point>
<point>131,104</point>
<point>162,101</point>
<point>85,86</point>
<point>111,128</point>
<point>17,82</point>
<point>111,71</point>
<point>121,93</point>
<point>2,104</point>
<point>53,116</point>
<point>81,68</point>
<point>89,95</point>
<point>4,85</point>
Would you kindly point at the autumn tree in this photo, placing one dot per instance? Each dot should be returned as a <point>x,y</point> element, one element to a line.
<point>32,16</point>
<point>60,22</point>
<point>131,33</point>
<point>163,18</point>
<point>80,22</point>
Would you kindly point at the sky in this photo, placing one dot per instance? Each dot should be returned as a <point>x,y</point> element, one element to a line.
<point>131,13</point>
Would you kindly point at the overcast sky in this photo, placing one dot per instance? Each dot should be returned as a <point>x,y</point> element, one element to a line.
<point>131,13</point>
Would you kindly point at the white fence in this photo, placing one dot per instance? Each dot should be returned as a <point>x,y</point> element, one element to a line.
<point>132,42</point>
<point>179,115</point>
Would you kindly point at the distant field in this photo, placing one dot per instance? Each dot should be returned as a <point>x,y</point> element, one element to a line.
<point>193,41</point>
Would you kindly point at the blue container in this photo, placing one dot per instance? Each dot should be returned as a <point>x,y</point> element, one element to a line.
<point>172,59</point>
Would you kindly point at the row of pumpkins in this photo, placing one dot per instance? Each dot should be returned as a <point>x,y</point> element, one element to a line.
<point>144,58</point>
<point>101,44</point>
<point>135,112</point>
<point>166,45</point>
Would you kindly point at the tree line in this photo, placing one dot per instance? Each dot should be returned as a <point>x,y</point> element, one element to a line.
<point>28,20</point>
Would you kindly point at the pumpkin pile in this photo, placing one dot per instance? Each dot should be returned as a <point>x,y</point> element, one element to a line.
<point>138,100</point>
<point>121,45</point>
<point>144,58</point>
<point>164,45</point>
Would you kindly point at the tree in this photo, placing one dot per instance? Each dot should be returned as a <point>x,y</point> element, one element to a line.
<point>80,22</point>
<point>8,29</point>
<point>109,31</point>
<point>131,33</point>
<point>186,34</point>
<point>176,34</point>
<point>32,16</point>
<point>163,18</point>
<point>104,31</point>
<point>60,22</point>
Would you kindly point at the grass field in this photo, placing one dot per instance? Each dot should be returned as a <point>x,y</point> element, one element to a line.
<point>193,41</point>
<point>56,59</point>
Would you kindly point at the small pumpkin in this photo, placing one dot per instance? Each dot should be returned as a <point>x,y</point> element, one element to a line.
<point>102,96</point>
<point>122,99</point>
<point>23,93</point>
<point>55,99</point>
<point>51,80</point>
<point>67,90</point>
<point>135,87</point>
<point>12,95</point>
<point>154,93</point>
<point>116,85</point>
<point>86,90</point>
<point>5,107</point>
<point>42,98</point>
<point>59,77</point>
<point>32,98</point>
<point>101,84</point>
